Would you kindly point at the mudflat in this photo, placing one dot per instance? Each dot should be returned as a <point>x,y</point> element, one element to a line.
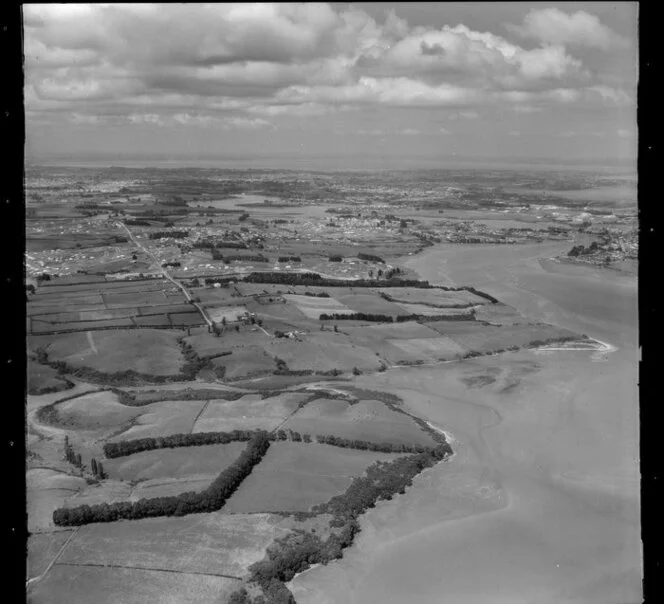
<point>541,501</point>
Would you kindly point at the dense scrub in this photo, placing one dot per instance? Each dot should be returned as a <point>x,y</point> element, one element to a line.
<point>208,500</point>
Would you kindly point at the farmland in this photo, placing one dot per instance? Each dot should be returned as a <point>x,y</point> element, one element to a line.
<point>209,386</point>
<point>295,476</point>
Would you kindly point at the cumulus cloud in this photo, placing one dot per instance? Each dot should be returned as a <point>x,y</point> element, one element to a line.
<point>211,64</point>
<point>553,26</point>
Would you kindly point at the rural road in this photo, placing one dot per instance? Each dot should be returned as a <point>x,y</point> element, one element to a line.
<point>166,274</point>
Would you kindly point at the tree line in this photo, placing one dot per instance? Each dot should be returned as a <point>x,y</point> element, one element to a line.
<point>171,234</point>
<point>290,259</point>
<point>123,448</point>
<point>316,279</point>
<point>208,500</point>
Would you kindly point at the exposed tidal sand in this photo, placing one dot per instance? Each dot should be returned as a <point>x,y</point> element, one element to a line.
<point>541,502</point>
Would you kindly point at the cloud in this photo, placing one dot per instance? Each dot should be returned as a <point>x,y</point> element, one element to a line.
<point>409,131</point>
<point>623,133</point>
<point>514,133</point>
<point>221,62</point>
<point>610,96</point>
<point>553,26</point>
<point>526,109</point>
<point>443,130</point>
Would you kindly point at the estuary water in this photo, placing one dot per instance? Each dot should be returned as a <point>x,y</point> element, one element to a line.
<point>540,504</point>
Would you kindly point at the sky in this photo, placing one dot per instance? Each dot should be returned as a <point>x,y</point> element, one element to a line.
<point>402,83</point>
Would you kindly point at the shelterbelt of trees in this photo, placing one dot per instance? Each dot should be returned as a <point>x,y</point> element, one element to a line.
<point>209,500</point>
<point>360,316</point>
<point>123,448</point>
<point>171,234</point>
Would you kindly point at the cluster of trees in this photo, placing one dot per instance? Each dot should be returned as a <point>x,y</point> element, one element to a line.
<point>193,363</point>
<point>171,234</point>
<point>97,469</point>
<point>336,258</point>
<point>579,250</point>
<point>123,448</point>
<point>242,217</point>
<point>370,258</point>
<point>136,222</point>
<point>316,295</point>
<point>296,552</point>
<point>393,272</point>
<point>290,259</point>
<point>208,500</point>
<point>174,264</point>
<point>71,456</point>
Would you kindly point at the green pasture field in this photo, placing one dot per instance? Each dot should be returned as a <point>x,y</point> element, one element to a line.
<point>202,543</point>
<point>41,326</point>
<point>322,351</point>
<point>249,412</point>
<point>85,584</point>
<point>296,476</point>
<point>153,320</point>
<point>42,376</point>
<point>165,308</point>
<point>42,549</point>
<point>430,311</point>
<point>247,362</point>
<point>95,411</point>
<point>288,313</point>
<point>137,299</point>
<point>216,295</point>
<point>186,319</point>
<point>314,307</point>
<point>162,419</point>
<point>366,420</point>
<point>501,314</point>
<point>149,351</point>
<point>66,301</point>
<point>370,303</point>
<point>437,297</point>
<point>180,462</point>
<point>486,338</point>
<point>230,313</point>
<point>99,285</point>
<point>441,348</point>
<point>169,487</point>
